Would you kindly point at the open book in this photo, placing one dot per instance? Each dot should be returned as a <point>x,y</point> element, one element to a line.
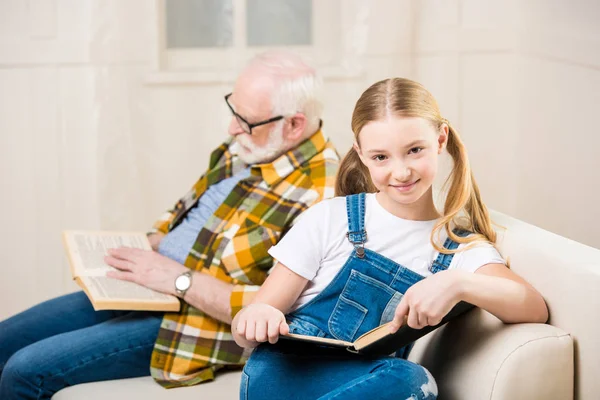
<point>379,341</point>
<point>86,251</point>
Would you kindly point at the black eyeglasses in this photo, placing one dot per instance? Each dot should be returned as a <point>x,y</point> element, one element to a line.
<point>245,125</point>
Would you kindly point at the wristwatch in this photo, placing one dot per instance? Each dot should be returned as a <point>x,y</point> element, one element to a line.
<point>183,283</point>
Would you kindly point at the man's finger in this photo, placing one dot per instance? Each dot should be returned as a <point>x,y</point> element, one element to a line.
<point>127,253</point>
<point>118,263</point>
<point>121,275</point>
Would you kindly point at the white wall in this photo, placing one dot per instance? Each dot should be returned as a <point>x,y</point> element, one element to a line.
<point>521,81</point>
<point>92,139</point>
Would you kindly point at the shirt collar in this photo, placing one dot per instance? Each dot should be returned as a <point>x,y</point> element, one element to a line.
<point>284,165</point>
<point>275,171</point>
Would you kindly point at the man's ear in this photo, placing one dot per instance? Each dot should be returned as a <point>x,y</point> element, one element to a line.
<point>443,137</point>
<point>297,127</point>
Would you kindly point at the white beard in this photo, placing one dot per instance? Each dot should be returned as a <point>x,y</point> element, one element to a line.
<point>274,147</point>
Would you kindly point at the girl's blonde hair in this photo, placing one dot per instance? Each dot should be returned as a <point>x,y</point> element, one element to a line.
<point>405,98</point>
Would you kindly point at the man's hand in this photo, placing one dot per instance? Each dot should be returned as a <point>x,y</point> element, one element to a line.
<point>258,323</point>
<point>144,267</point>
<point>428,301</point>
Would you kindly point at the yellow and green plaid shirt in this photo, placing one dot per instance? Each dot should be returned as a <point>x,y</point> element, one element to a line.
<point>232,246</point>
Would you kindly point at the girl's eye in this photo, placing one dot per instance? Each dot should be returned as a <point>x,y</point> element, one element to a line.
<point>415,150</point>
<point>379,157</point>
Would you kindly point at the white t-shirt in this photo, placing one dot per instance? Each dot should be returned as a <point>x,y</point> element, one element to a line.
<point>316,247</point>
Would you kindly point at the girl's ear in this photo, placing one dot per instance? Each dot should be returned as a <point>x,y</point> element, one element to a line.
<point>356,148</point>
<point>443,137</point>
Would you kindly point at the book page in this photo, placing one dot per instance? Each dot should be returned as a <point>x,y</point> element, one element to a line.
<point>87,249</point>
<point>314,339</point>
<point>372,336</point>
<point>106,288</point>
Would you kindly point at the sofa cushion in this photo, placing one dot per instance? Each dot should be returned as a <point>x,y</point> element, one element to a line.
<point>226,386</point>
<point>475,357</point>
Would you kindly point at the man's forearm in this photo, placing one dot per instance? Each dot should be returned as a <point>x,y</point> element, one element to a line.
<point>154,239</point>
<point>211,296</point>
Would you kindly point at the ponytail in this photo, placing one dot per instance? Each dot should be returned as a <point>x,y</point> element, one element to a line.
<point>353,177</point>
<point>462,195</point>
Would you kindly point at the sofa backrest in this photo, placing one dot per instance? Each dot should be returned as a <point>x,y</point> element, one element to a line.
<point>567,274</point>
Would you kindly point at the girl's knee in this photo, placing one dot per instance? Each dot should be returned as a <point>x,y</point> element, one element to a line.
<point>429,386</point>
<point>417,379</point>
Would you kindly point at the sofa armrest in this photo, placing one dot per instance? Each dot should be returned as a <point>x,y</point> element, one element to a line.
<point>478,357</point>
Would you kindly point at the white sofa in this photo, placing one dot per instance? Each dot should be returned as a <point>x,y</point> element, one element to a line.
<point>477,357</point>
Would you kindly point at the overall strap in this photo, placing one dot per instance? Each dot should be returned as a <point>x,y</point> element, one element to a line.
<point>357,235</point>
<point>442,262</point>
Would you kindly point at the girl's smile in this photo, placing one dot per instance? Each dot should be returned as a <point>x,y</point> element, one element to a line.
<point>405,187</point>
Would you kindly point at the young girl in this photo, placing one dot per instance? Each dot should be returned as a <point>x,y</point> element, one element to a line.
<point>352,263</point>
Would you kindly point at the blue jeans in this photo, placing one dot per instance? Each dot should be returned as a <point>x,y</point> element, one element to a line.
<point>363,295</point>
<point>280,373</point>
<point>64,342</point>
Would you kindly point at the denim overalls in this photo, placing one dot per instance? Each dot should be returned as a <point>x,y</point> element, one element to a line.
<point>362,296</point>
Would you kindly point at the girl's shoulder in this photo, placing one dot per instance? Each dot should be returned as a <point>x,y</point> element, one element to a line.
<point>466,235</point>
<point>476,254</point>
<point>325,209</point>
<point>326,205</point>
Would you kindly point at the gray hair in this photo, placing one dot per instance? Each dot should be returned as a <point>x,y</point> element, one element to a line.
<point>297,87</point>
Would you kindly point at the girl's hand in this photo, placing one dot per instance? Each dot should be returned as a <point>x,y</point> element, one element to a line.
<point>258,323</point>
<point>428,301</point>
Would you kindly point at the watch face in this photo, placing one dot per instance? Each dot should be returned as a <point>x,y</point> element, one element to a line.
<point>182,282</point>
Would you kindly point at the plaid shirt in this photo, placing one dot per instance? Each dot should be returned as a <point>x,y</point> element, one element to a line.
<point>232,246</point>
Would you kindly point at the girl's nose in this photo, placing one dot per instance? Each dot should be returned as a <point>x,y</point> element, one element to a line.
<point>401,173</point>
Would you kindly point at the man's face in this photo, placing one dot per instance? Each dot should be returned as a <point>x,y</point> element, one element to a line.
<point>251,100</point>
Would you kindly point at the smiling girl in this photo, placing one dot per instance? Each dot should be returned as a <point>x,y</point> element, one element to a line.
<point>380,253</point>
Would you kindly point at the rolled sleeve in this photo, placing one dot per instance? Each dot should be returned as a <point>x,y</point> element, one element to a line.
<point>241,296</point>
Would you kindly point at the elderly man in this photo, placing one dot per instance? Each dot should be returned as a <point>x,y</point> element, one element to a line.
<point>211,251</point>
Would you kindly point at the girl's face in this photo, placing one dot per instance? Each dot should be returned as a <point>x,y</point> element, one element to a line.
<point>401,154</point>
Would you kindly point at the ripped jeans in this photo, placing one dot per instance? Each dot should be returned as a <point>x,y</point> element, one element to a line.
<point>274,372</point>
